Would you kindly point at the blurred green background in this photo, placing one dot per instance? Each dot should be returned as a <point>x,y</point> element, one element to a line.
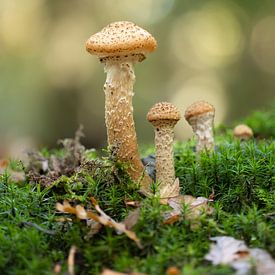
<point>219,51</point>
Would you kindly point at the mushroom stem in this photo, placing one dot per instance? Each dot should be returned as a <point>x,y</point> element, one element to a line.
<point>164,137</point>
<point>119,119</point>
<point>164,116</point>
<point>203,129</point>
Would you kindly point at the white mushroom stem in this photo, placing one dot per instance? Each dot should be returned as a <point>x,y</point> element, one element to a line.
<point>164,137</point>
<point>121,132</point>
<point>203,129</point>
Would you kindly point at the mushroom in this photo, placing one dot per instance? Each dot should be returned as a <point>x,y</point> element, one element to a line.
<point>164,117</point>
<point>119,46</point>
<point>200,115</point>
<point>242,132</point>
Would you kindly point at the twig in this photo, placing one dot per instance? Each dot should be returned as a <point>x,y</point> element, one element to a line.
<point>36,226</point>
<point>71,260</point>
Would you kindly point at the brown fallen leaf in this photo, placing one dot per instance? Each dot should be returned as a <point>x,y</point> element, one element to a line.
<point>132,218</point>
<point>196,207</point>
<point>235,253</point>
<point>103,218</point>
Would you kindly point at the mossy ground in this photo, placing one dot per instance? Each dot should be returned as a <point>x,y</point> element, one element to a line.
<point>241,175</point>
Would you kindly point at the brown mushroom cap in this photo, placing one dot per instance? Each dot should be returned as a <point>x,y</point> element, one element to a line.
<point>163,111</point>
<point>198,108</point>
<point>242,130</point>
<point>121,38</point>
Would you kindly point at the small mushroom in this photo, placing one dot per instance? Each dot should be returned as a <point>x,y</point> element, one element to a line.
<point>119,46</point>
<point>200,115</point>
<point>164,117</point>
<point>242,132</point>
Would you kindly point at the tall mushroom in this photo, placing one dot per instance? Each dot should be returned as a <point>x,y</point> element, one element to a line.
<point>200,115</point>
<point>164,117</point>
<point>119,46</point>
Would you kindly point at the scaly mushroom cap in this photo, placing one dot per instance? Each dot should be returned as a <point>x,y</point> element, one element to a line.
<point>163,111</point>
<point>243,131</point>
<point>198,108</point>
<point>120,39</point>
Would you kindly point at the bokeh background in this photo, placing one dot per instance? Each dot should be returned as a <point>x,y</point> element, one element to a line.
<point>219,51</point>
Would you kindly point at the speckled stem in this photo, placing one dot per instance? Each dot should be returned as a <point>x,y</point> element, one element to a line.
<point>164,137</point>
<point>203,128</point>
<point>121,132</point>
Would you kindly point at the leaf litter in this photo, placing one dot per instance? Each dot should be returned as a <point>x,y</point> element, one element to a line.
<point>243,259</point>
<point>47,169</point>
<point>102,218</point>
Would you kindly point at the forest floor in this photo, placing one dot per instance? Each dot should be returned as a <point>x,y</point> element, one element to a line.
<point>39,236</point>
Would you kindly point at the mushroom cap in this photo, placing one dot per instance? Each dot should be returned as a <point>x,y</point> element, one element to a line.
<point>198,108</point>
<point>242,131</point>
<point>163,111</point>
<point>121,38</point>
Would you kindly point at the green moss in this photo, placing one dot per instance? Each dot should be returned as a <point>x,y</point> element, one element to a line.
<point>240,174</point>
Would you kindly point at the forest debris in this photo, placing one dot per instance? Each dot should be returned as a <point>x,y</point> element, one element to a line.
<point>94,229</point>
<point>132,218</point>
<point>103,218</point>
<point>39,228</point>
<point>71,260</point>
<point>46,170</point>
<point>235,253</point>
<point>196,207</point>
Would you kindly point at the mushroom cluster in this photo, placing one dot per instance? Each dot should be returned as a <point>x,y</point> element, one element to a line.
<point>119,46</point>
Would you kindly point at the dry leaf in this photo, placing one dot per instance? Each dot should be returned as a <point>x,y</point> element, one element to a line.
<point>235,253</point>
<point>103,218</point>
<point>226,250</point>
<point>94,229</point>
<point>196,207</point>
<point>132,218</point>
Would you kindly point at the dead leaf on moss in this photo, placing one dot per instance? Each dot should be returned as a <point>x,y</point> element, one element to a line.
<point>132,218</point>
<point>235,253</point>
<point>196,207</point>
<point>103,218</point>
<point>111,272</point>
